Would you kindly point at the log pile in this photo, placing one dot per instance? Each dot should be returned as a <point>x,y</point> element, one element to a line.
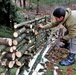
<point>28,40</point>
<point>6,55</point>
<point>15,54</point>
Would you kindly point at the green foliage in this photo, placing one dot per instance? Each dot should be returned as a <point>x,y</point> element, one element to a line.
<point>4,11</point>
<point>6,32</point>
<point>8,11</point>
<point>14,15</point>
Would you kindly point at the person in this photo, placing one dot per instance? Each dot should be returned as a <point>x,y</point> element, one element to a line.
<point>67,18</point>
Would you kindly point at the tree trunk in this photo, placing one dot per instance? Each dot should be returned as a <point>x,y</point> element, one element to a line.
<point>37,10</point>
<point>20,3</point>
<point>24,3</point>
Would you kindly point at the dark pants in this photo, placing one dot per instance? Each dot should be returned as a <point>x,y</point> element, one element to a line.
<point>67,42</point>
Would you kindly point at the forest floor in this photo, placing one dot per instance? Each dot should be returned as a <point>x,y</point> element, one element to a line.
<point>55,56</point>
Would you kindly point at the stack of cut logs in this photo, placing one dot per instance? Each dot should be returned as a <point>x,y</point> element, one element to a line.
<point>16,53</point>
<point>28,39</point>
<point>6,55</point>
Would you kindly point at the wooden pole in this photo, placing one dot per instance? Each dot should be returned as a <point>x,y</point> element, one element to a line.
<point>23,24</point>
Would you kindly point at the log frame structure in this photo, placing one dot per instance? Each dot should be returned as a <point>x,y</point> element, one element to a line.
<point>27,42</point>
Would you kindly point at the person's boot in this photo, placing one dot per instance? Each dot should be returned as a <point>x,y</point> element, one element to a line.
<point>69,61</point>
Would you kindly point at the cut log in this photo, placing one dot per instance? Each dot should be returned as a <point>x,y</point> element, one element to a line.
<point>24,48</point>
<point>13,49</point>
<point>10,56</point>
<point>2,55</point>
<point>30,31</point>
<point>28,22</point>
<point>17,33</point>
<point>18,54</point>
<point>14,71</point>
<point>2,73</point>
<point>3,63</point>
<point>21,44</point>
<point>19,39</point>
<point>30,26</point>
<point>2,47</point>
<point>6,41</point>
<point>11,64</point>
<point>18,63</point>
<point>23,24</point>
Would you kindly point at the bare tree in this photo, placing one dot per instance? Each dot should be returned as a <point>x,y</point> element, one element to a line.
<point>24,3</point>
<point>20,3</point>
<point>15,1</point>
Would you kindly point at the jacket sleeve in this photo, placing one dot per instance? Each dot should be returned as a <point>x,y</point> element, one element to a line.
<point>72,33</point>
<point>51,24</point>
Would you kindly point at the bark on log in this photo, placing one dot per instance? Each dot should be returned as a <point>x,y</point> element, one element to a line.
<point>17,33</point>
<point>10,56</point>
<point>2,55</point>
<point>6,41</point>
<point>14,71</point>
<point>30,31</point>
<point>24,48</point>
<point>28,22</point>
<point>23,24</point>
<point>18,63</point>
<point>19,39</point>
<point>2,47</point>
<point>21,44</point>
<point>30,26</point>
